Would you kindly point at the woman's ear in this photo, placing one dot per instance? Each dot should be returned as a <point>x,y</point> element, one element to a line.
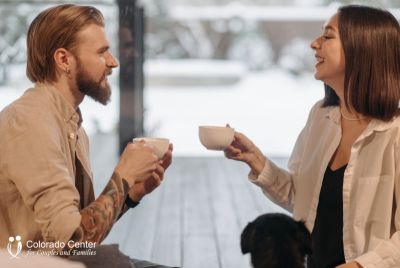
<point>247,238</point>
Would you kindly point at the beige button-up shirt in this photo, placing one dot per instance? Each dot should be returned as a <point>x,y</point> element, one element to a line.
<point>371,219</point>
<point>41,142</point>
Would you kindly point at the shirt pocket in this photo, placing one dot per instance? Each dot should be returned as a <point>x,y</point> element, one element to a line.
<point>371,181</point>
<point>372,199</point>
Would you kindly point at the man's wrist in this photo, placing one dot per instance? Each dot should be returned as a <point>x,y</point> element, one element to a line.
<point>135,196</point>
<point>131,203</point>
<point>124,178</point>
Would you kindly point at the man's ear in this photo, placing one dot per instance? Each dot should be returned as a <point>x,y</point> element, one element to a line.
<point>63,60</point>
<point>247,238</point>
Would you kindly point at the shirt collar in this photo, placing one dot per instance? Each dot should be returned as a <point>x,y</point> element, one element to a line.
<point>66,110</point>
<point>333,113</point>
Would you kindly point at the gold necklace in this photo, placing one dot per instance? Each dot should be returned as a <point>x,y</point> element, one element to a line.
<point>351,119</point>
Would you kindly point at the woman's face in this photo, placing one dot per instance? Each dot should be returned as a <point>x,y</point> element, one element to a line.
<point>329,55</point>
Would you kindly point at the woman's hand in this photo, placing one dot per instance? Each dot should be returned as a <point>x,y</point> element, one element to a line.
<point>243,149</point>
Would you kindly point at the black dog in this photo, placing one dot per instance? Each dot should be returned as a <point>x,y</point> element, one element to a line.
<point>276,241</point>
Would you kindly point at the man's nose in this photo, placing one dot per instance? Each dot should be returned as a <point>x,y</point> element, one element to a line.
<point>112,61</point>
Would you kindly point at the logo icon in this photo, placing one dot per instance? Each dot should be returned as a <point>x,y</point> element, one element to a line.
<point>19,246</point>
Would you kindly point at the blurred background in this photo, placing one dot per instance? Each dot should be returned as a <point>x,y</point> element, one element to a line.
<point>202,62</point>
<point>185,63</point>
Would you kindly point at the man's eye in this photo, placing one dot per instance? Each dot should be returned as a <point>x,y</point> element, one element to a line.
<point>102,51</point>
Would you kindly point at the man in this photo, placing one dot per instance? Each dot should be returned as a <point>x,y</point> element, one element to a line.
<point>46,188</point>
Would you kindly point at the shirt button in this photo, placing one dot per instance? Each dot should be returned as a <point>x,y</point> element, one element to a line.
<point>72,135</point>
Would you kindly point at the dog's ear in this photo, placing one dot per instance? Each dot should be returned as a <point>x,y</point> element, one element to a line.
<point>304,238</point>
<point>247,238</point>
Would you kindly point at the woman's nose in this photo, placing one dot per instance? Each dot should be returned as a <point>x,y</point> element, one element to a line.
<point>315,44</point>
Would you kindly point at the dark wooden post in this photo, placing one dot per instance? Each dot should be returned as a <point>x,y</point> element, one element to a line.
<point>131,80</point>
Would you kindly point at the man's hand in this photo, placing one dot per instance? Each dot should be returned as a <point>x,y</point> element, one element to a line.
<point>140,189</point>
<point>167,159</point>
<point>137,163</point>
<point>352,264</point>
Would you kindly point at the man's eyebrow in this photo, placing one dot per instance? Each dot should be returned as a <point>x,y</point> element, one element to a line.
<point>103,48</point>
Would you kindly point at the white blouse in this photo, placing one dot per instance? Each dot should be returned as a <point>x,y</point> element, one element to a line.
<point>371,220</point>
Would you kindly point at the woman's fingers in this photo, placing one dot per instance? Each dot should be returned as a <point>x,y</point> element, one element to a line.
<point>232,152</point>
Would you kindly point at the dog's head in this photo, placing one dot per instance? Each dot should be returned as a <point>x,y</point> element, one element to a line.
<point>276,240</point>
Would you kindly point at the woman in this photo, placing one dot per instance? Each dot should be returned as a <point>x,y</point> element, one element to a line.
<point>344,172</point>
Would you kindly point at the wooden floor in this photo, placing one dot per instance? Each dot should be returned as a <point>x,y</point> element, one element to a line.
<point>194,219</point>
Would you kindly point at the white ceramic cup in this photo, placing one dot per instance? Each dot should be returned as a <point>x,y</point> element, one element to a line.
<point>216,137</point>
<point>159,145</point>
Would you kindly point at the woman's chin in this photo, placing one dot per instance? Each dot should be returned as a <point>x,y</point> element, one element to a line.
<point>317,76</point>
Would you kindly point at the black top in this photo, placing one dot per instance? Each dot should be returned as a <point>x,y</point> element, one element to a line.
<point>327,235</point>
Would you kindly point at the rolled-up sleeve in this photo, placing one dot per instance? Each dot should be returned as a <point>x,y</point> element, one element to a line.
<point>278,183</point>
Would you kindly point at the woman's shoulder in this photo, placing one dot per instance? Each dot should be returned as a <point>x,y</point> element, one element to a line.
<point>392,124</point>
<point>319,110</point>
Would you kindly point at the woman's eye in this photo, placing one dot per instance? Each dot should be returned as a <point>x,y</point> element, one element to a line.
<point>327,37</point>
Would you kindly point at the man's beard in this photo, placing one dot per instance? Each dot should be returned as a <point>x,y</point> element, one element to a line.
<point>92,88</point>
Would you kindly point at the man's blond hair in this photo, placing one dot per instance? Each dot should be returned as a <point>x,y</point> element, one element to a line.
<point>55,28</point>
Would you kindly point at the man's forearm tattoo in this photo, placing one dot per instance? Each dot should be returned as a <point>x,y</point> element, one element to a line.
<point>100,215</point>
